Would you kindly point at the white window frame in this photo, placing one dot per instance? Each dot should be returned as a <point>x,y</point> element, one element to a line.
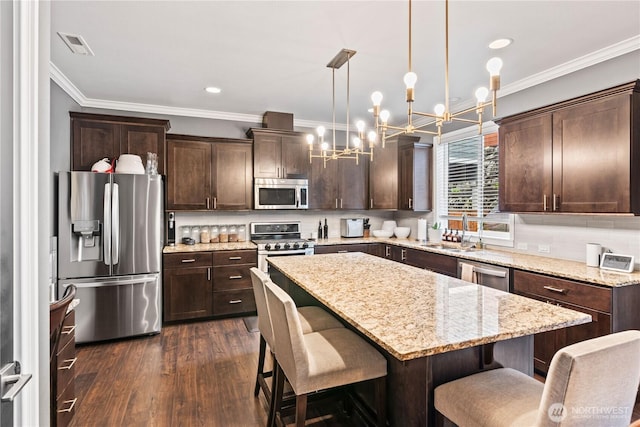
<point>505,239</point>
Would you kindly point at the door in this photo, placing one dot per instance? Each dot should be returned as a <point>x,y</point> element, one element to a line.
<point>352,183</point>
<point>188,175</point>
<point>232,176</point>
<point>383,177</point>
<point>137,215</point>
<point>323,186</point>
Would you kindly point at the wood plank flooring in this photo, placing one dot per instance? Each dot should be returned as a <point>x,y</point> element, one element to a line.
<point>192,374</point>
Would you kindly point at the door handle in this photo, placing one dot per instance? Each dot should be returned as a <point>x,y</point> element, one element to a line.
<point>544,202</point>
<point>115,219</point>
<point>489,272</point>
<point>410,203</point>
<point>12,381</point>
<point>555,202</point>
<point>106,231</point>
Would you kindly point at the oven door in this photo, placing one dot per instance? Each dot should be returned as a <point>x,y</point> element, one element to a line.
<point>263,265</point>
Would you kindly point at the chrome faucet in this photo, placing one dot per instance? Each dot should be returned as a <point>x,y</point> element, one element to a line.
<point>465,240</point>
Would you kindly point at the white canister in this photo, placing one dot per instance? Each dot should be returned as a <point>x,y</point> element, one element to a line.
<point>422,230</point>
<point>594,250</point>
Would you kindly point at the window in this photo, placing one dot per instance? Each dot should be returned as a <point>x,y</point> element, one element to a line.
<point>468,167</point>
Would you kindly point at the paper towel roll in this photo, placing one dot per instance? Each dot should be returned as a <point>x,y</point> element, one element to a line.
<point>594,250</point>
<point>422,230</point>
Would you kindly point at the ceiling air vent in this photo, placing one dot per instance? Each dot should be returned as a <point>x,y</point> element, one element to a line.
<point>76,44</point>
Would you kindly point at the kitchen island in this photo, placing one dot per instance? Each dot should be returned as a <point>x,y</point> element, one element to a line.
<point>431,328</point>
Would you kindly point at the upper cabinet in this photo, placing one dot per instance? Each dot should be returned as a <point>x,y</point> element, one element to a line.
<point>400,175</point>
<point>279,154</point>
<point>96,136</point>
<point>574,157</point>
<point>208,173</point>
<point>342,184</point>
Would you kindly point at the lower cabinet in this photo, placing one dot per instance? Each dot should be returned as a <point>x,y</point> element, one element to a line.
<point>63,378</point>
<point>348,247</point>
<point>594,300</point>
<point>437,263</point>
<point>198,285</point>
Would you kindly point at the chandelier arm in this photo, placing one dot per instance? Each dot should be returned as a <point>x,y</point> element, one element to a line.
<point>426,132</point>
<point>467,111</point>
<point>460,119</point>
<point>384,128</point>
<point>433,116</point>
<point>446,56</point>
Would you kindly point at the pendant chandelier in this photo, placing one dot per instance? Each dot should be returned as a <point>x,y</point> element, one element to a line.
<point>442,114</point>
<point>354,149</point>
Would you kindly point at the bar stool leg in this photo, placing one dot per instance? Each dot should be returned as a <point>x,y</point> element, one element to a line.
<point>261,356</point>
<point>277,389</point>
<point>301,410</point>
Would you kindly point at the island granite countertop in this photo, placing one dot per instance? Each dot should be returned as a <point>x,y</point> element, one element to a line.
<point>538,264</point>
<point>411,312</point>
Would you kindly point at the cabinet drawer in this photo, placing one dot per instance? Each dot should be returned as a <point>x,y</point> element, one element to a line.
<point>66,406</point>
<point>65,366</point>
<point>68,329</point>
<point>231,277</point>
<point>232,302</point>
<point>191,259</point>
<point>562,290</point>
<point>235,257</point>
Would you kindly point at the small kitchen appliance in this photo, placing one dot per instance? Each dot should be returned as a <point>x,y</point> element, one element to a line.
<point>351,227</point>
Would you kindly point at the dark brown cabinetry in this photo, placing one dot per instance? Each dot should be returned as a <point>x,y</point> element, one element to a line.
<point>96,136</point>
<point>279,154</point>
<point>611,310</point>
<point>577,156</point>
<point>437,263</point>
<point>400,175</point>
<point>64,382</point>
<point>232,288</point>
<point>188,286</point>
<point>342,184</point>
<point>208,173</point>
<point>355,247</point>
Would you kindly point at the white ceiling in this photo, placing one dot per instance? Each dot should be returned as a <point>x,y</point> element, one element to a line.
<point>157,56</point>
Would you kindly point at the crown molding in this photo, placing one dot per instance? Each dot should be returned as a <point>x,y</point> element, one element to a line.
<point>618,49</point>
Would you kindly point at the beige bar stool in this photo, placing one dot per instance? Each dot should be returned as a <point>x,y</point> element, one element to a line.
<point>591,383</point>
<point>312,319</point>
<point>319,360</point>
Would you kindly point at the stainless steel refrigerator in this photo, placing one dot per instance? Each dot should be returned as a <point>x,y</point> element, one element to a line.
<point>110,239</point>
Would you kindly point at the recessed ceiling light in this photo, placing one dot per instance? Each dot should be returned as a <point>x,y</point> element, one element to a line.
<point>500,43</point>
<point>212,89</point>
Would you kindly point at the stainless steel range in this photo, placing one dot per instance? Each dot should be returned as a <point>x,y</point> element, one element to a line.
<point>278,239</point>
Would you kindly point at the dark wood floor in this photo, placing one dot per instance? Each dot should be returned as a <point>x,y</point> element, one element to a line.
<point>192,374</point>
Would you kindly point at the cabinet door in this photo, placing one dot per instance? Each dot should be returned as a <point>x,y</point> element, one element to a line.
<point>352,185</point>
<point>141,140</point>
<point>323,185</point>
<point>295,157</point>
<point>438,263</point>
<point>525,165</point>
<point>415,177</point>
<point>232,176</point>
<point>189,175</point>
<point>591,157</point>
<point>92,141</point>
<point>187,293</point>
<point>383,177</point>
<point>267,149</point>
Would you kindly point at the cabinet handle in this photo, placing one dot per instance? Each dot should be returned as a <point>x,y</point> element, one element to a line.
<point>554,289</point>
<point>184,261</point>
<point>342,252</point>
<point>70,363</point>
<point>235,258</point>
<point>370,203</point>
<point>215,203</point>
<point>235,301</point>
<point>403,254</point>
<point>340,203</point>
<point>387,251</point>
<point>336,203</point>
<point>209,273</point>
<point>410,203</point>
<point>71,404</point>
<point>544,202</point>
<point>235,277</point>
<point>67,330</point>
<point>555,202</point>
<point>207,203</point>
<point>278,172</point>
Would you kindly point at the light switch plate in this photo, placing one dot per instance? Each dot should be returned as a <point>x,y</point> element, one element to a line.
<point>543,248</point>
<point>523,246</point>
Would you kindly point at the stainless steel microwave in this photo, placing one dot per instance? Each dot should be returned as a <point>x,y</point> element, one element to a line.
<point>272,193</point>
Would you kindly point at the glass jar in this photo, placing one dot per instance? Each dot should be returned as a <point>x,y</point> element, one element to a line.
<point>233,233</point>
<point>224,234</point>
<point>185,231</point>
<point>242,233</point>
<point>195,233</point>
<point>214,234</point>
<point>204,234</point>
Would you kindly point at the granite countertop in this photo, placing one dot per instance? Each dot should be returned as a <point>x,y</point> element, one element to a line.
<point>411,312</point>
<point>552,266</point>
<point>204,247</point>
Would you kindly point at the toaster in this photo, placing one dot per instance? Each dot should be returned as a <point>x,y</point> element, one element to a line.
<point>351,227</point>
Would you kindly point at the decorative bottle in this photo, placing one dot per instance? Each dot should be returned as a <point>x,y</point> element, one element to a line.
<point>320,229</point>
<point>326,229</point>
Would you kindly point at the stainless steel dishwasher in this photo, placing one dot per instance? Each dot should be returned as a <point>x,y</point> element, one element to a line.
<point>489,275</point>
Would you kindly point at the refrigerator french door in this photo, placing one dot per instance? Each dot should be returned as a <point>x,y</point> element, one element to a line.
<point>110,246</point>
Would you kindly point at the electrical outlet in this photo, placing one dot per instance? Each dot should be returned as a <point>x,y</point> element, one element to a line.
<point>523,246</point>
<point>543,248</point>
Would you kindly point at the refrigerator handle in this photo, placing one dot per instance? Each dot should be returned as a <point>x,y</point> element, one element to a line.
<point>106,229</point>
<point>115,219</point>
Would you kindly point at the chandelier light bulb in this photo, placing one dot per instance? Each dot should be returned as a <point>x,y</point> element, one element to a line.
<point>439,110</point>
<point>324,146</point>
<point>356,142</point>
<point>481,94</point>
<point>371,136</point>
<point>309,139</point>
<point>494,65</point>
<point>384,116</point>
<point>320,130</point>
<point>410,79</point>
<point>376,98</point>
<point>360,125</point>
